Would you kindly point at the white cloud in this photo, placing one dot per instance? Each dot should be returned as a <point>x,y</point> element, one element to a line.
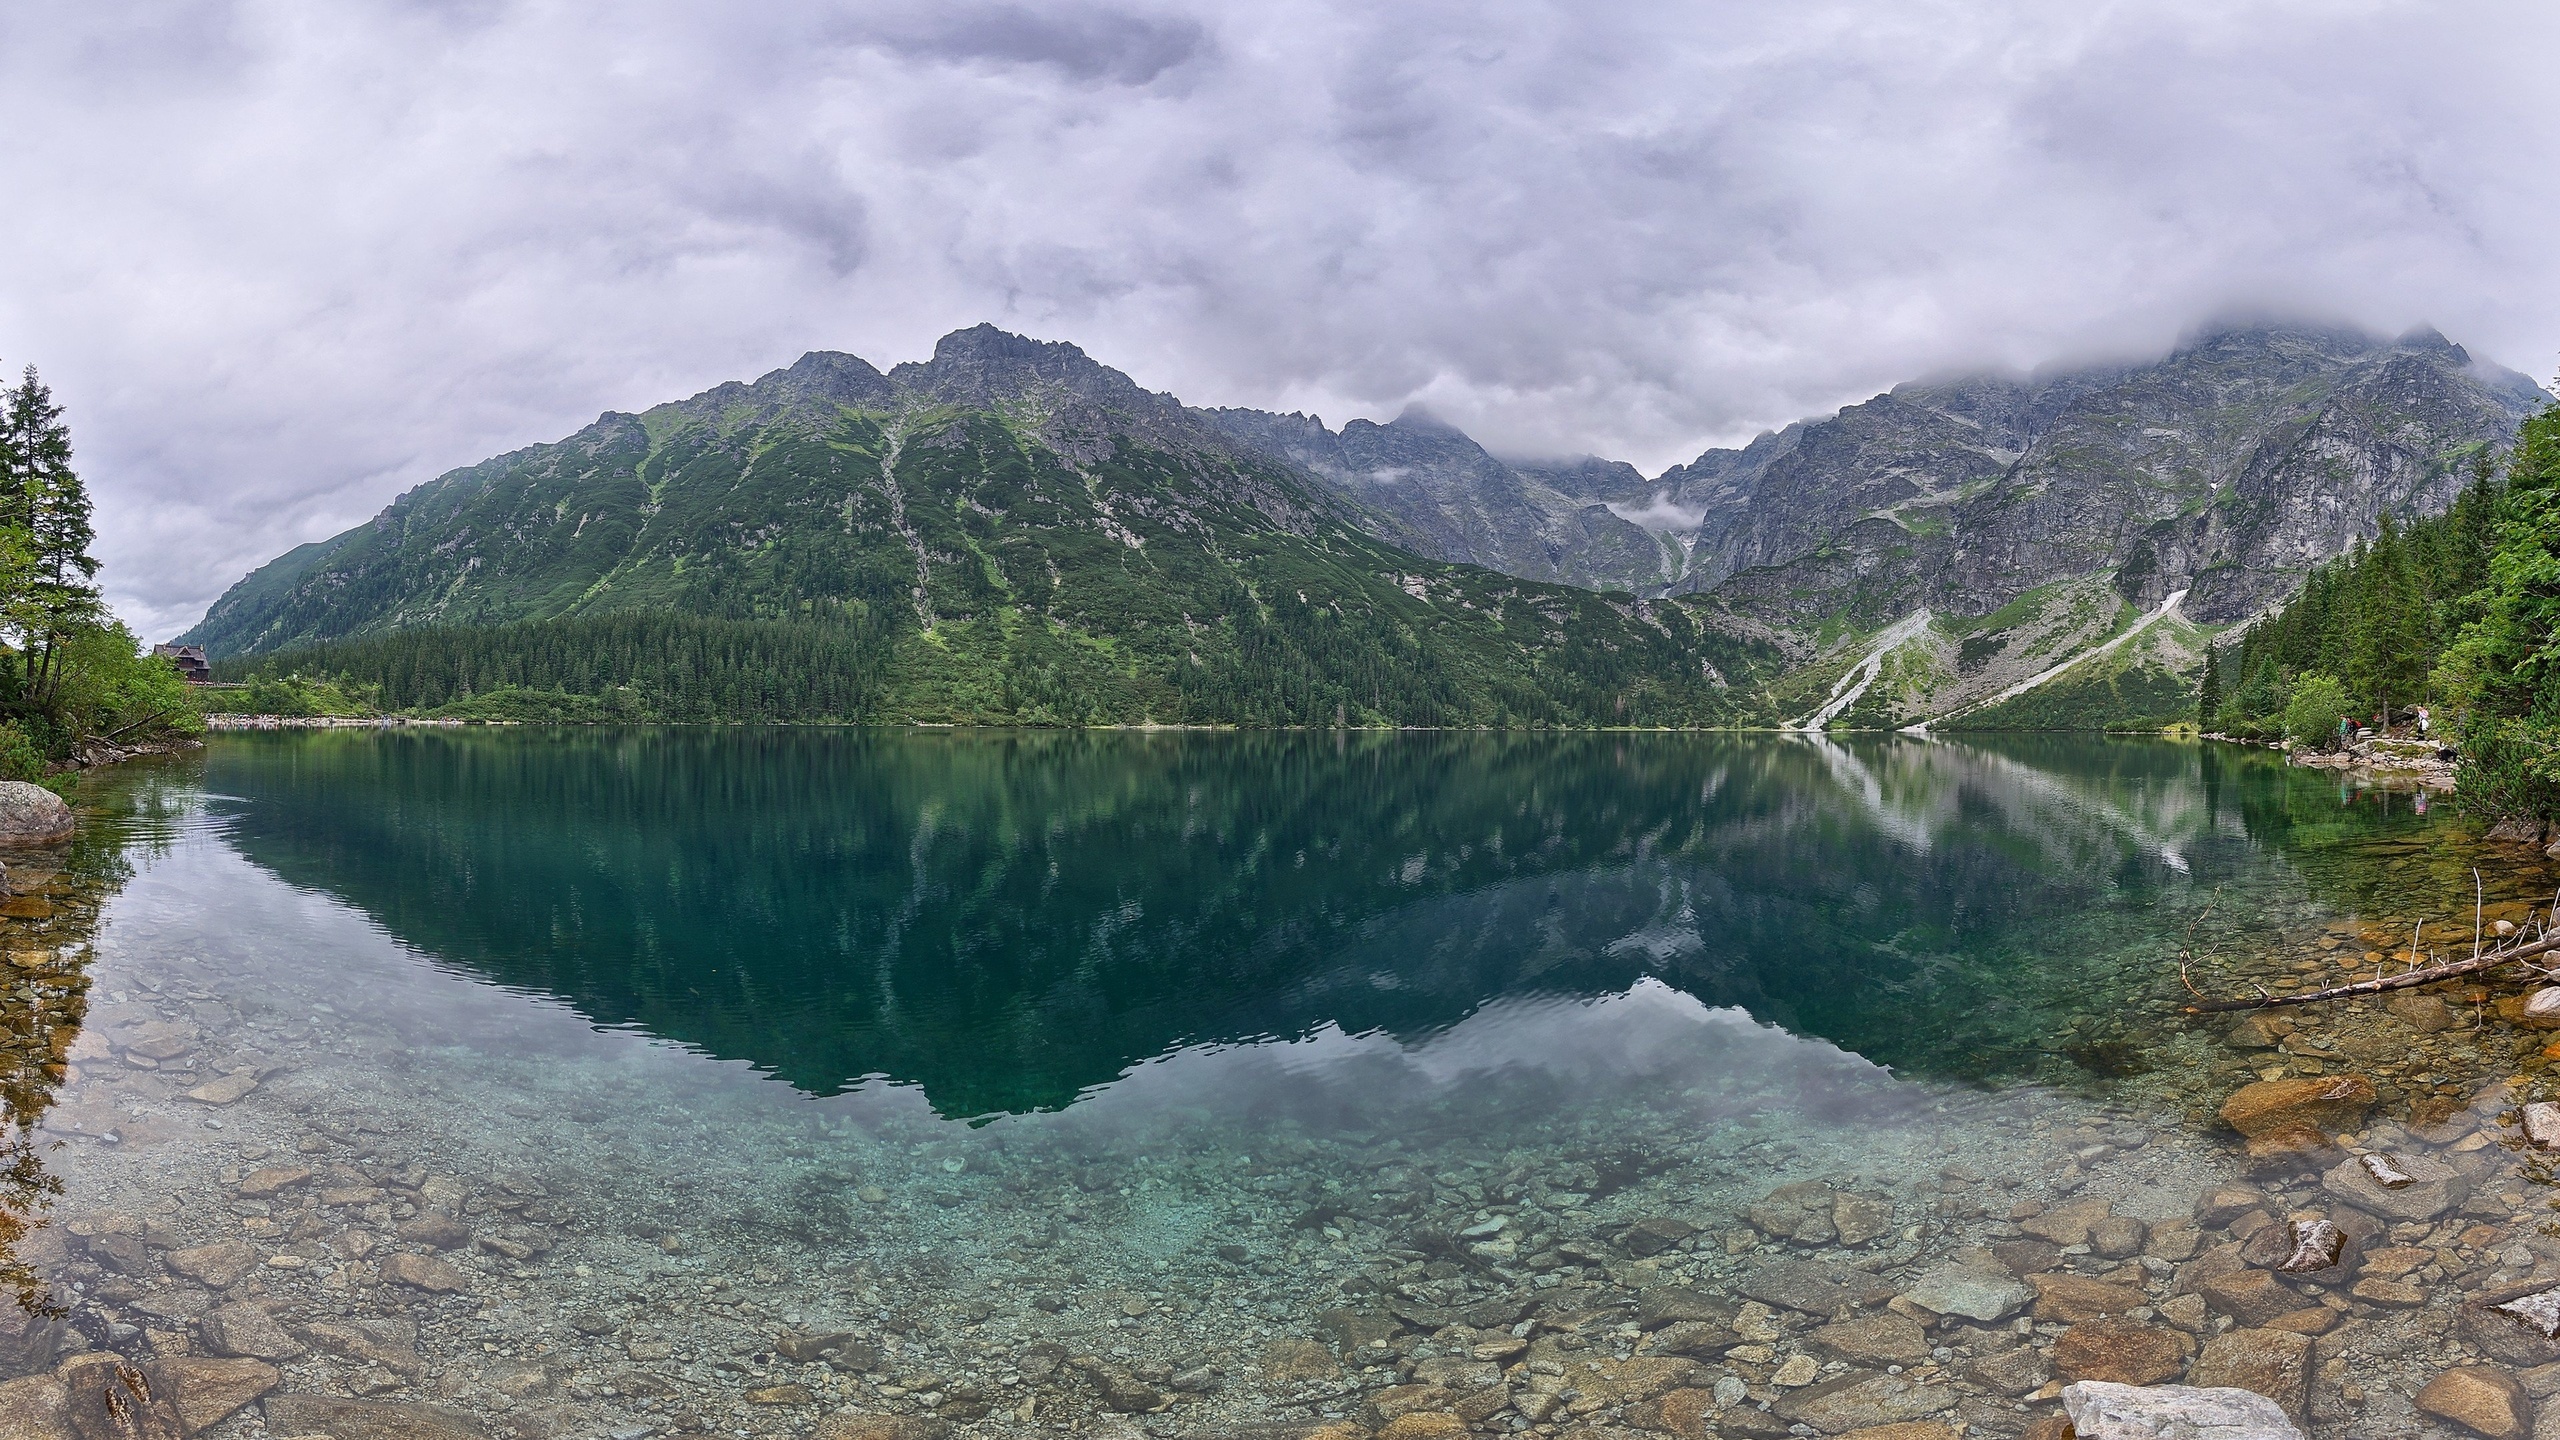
<point>285,260</point>
<point>1661,513</point>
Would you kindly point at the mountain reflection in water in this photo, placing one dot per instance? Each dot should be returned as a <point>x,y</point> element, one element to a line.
<point>1009,919</point>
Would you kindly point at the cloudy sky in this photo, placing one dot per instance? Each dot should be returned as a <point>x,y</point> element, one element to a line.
<point>284,260</point>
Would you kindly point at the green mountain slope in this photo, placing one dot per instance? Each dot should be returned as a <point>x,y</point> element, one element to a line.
<point>1015,531</point>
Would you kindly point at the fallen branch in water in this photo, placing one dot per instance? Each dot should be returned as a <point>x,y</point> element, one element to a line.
<point>2406,980</point>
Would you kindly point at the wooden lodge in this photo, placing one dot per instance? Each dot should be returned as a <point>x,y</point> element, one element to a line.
<point>190,662</point>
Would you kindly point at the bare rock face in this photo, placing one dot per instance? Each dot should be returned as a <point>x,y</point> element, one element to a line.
<point>32,815</point>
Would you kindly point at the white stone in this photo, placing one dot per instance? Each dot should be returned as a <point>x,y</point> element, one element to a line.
<point>2100,1410</point>
<point>2543,1004</point>
<point>2541,1311</point>
<point>2542,1123</point>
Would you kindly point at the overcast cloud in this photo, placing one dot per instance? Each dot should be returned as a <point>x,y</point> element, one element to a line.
<point>285,260</point>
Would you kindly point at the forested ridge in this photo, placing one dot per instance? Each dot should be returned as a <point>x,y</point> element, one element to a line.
<point>2458,612</point>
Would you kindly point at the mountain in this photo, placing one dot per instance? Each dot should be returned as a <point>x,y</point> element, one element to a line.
<point>1441,493</point>
<point>2015,522</point>
<point>1027,535</point>
<point>1031,535</point>
<point>2226,468</point>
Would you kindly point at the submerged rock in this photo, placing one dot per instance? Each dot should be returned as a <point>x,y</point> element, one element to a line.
<point>2116,1350</point>
<point>2326,1102</point>
<point>2273,1363</point>
<point>2398,1187</point>
<point>1799,1285</point>
<point>2101,1410</point>
<point>2481,1399</point>
<point>206,1392</point>
<point>1976,1294</point>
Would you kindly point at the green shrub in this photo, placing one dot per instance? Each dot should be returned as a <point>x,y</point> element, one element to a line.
<point>2311,712</point>
<point>20,759</point>
<point>2509,767</point>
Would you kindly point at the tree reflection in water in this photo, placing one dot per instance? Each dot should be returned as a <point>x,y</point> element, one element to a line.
<point>48,917</point>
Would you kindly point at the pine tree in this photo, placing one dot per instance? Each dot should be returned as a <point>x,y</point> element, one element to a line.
<point>2209,694</point>
<point>47,514</point>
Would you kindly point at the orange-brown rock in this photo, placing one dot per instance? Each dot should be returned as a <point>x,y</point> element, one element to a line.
<point>2289,1148</point>
<point>2323,1102</point>
<point>2481,1399</point>
<point>1689,1413</point>
<point>2274,1363</point>
<point>2251,1297</point>
<point>2070,1299</point>
<point>2121,1351</point>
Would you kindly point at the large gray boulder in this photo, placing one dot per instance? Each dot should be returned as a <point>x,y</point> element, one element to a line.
<point>32,815</point>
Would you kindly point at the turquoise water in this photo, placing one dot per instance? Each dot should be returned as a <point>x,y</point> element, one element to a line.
<point>1007,921</point>
<point>1159,1049</point>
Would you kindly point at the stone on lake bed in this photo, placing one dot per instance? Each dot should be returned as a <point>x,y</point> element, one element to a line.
<point>205,1391</point>
<point>2071,1299</point>
<point>1874,1340</point>
<point>2250,1297</point>
<point>2326,1102</point>
<point>1972,1292</point>
<point>224,1090</point>
<point>249,1331</point>
<point>2398,1187</point>
<point>434,1227</point>
<point>1864,1398</point>
<point>219,1265</point>
<point>2542,1121</point>
<point>425,1272</point>
<point>35,1408</point>
<point>2273,1363</point>
<point>2539,1311</point>
<point>273,1180</point>
<point>2543,1004</point>
<point>2101,1410</point>
<point>2425,1014</point>
<point>2481,1399</point>
<point>2116,1350</point>
<point>1813,1289</point>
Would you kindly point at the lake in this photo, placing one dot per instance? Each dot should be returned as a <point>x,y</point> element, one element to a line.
<point>660,1079</point>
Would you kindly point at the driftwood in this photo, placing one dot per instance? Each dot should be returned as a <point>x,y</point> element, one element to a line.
<point>2480,962</point>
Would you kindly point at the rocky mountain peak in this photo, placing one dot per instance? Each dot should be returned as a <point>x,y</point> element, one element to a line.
<point>983,365</point>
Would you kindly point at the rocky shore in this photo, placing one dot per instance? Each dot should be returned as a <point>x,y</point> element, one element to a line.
<point>2385,761</point>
